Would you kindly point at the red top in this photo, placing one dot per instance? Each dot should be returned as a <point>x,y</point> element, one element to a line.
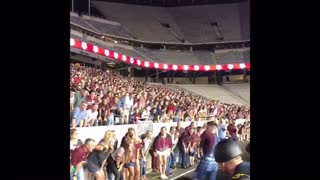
<point>78,155</point>
<point>162,144</point>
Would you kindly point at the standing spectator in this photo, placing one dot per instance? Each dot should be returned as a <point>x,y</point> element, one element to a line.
<point>184,144</point>
<point>174,150</point>
<point>92,116</point>
<point>74,142</point>
<point>195,139</point>
<point>110,118</point>
<point>115,163</point>
<point>207,167</point>
<point>222,129</point>
<point>147,143</point>
<point>91,99</point>
<point>79,115</point>
<point>130,159</point>
<point>79,157</point>
<point>162,146</point>
<point>103,110</point>
<point>72,93</point>
<point>96,160</point>
<point>232,129</point>
<point>80,97</point>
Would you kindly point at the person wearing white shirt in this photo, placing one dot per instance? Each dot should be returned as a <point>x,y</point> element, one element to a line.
<point>174,150</point>
<point>92,115</point>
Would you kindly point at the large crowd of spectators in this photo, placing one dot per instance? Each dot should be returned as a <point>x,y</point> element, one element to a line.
<point>102,98</point>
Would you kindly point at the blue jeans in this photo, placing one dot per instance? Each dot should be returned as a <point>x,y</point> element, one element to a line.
<point>235,138</point>
<point>174,156</point>
<point>71,113</point>
<point>80,175</point>
<point>95,122</point>
<point>110,120</point>
<point>207,175</point>
<point>142,168</point>
<point>202,173</point>
<point>168,165</point>
<point>184,158</point>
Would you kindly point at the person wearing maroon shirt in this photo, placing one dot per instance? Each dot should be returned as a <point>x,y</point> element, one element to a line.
<point>191,126</point>
<point>103,110</point>
<point>77,79</point>
<point>232,129</point>
<point>91,99</point>
<point>136,115</point>
<point>184,145</point>
<point>208,168</point>
<point>78,158</point>
<point>162,147</point>
<point>193,145</point>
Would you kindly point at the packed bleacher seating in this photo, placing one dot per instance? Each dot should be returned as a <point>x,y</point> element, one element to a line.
<point>122,128</point>
<point>129,100</point>
<point>104,98</point>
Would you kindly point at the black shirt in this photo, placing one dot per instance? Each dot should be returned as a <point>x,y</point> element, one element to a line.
<point>242,171</point>
<point>97,157</point>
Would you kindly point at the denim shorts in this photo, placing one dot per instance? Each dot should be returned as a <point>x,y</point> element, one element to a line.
<point>130,164</point>
<point>93,168</point>
<point>192,154</point>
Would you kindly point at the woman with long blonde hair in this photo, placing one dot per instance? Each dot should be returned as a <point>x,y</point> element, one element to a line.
<point>130,160</point>
<point>96,160</point>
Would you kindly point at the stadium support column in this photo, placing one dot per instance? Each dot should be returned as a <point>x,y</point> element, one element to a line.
<point>168,77</point>
<point>214,81</point>
<point>130,71</point>
<point>72,5</point>
<point>157,75</point>
<point>89,7</point>
<point>219,77</point>
<point>146,74</point>
<point>172,76</point>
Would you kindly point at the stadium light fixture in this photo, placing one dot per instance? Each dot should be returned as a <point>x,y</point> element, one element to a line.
<point>124,57</point>
<point>218,67</point>
<point>207,68</point>
<point>196,67</point>
<point>72,42</point>
<point>116,42</point>
<point>95,49</point>
<point>106,52</point>
<point>174,67</point>
<point>115,55</point>
<point>84,45</point>
<point>242,66</point>
<point>185,67</point>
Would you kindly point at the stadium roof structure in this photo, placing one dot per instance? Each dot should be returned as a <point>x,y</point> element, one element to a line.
<point>172,3</point>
